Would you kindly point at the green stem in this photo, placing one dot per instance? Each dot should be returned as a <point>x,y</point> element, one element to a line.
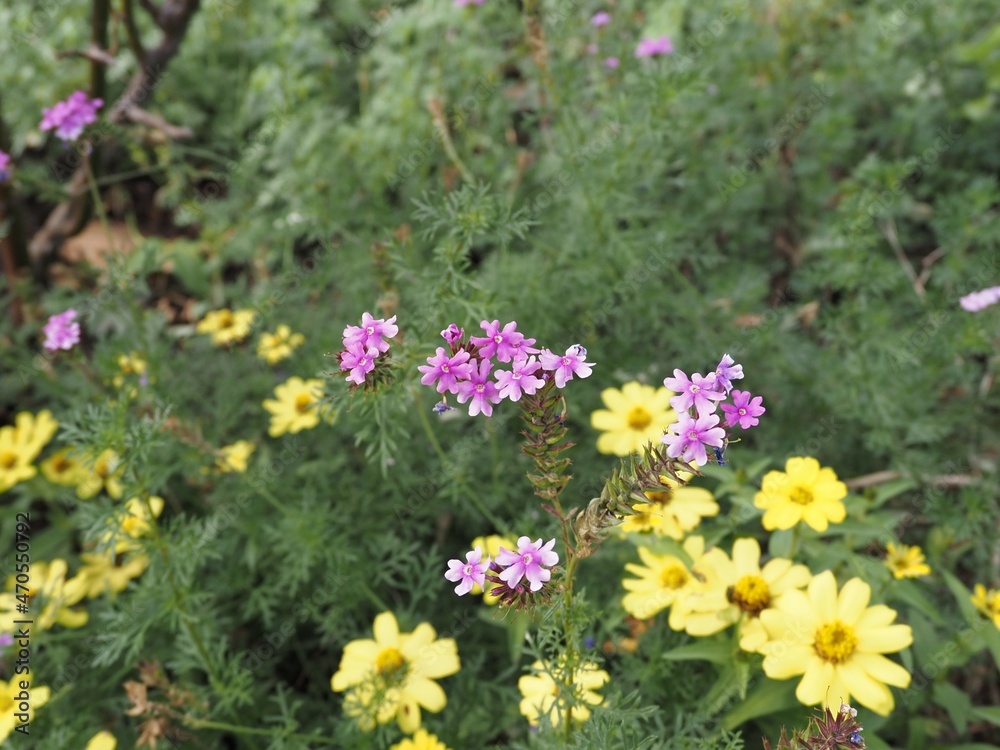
<point>223,727</point>
<point>95,194</point>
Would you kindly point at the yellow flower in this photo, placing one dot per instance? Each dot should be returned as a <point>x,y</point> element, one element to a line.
<point>636,415</point>
<point>100,574</point>
<point>21,443</point>
<point>233,458</point>
<point>672,512</point>
<point>274,347</point>
<point>129,364</point>
<point>837,644</point>
<point>987,602</point>
<point>12,695</point>
<point>104,473</point>
<point>664,581</point>
<point>295,407</point>
<point>50,597</point>
<point>739,590</point>
<point>102,741</point>
<point>540,691</point>
<point>227,326</point>
<point>420,741</point>
<point>63,467</point>
<point>803,492</point>
<point>134,523</point>
<point>906,562</point>
<point>491,545</point>
<point>393,675</point>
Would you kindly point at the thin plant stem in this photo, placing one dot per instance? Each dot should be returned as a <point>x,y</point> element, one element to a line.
<point>236,729</point>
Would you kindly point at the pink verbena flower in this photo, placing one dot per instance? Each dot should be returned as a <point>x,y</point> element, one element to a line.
<point>61,331</point>
<point>4,165</point>
<point>726,372</point>
<point>468,573</point>
<point>599,19</point>
<point>520,378</point>
<point>699,391</point>
<point>359,361</point>
<point>70,116</point>
<point>479,390</point>
<point>980,300</point>
<point>452,333</point>
<point>371,333</point>
<point>612,62</point>
<point>463,3</point>
<point>566,366</point>
<point>6,639</point>
<point>651,47</point>
<point>686,439</point>
<point>744,410</point>
<point>527,562</point>
<point>504,344</point>
<point>446,370</point>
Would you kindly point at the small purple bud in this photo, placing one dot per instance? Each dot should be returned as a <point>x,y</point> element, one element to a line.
<point>452,333</point>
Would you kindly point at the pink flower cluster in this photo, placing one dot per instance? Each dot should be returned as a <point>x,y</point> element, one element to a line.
<point>68,118</point>
<point>697,401</point>
<point>364,344</point>
<point>518,573</point>
<point>62,331</point>
<point>465,368</point>
<point>980,300</point>
<point>654,46</point>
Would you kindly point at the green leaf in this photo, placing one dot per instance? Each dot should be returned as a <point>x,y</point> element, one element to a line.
<point>768,697</point>
<point>989,713</point>
<point>718,652</point>
<point>890,490</point>
<point>955,702</point>
<point>911,593</point>
<point>991,636</point>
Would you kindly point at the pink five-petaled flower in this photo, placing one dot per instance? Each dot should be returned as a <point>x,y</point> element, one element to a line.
<point>447,371</point>
<point>527,562</point>
<point>359,361</point>
<point>371,333</point>
<point>452,333</point>
<point>744,410</point>
<point>726,372</point>
<point>61,331</point>
<point>520,378</point>
<point>479,390</point>
<point>599,19</point>
<point>69,117</point>
<point>980,300</point>
<point>504,344</point>
<point>686,439</point>
<point>472,571</point>
<point>650,47</point>
<point>699,391</point>
<point>565,367</point>
<point>4,165</point>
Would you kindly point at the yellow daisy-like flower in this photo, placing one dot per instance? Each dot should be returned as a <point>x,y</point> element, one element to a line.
<point>128,365</point>
<point>803,492</point>
<point>64,468</point>
<point>234,457</point>
<point>104,474</point>
<point>393,675</point>
<point>837,644</point>
<point>491,545</point>
<point>420,741</point>
<point>663,581</point>
<point>21,443</point>
<point>102,741</point>
<point>274,347</point>
<point>227,326</point>
<point>11,698</point>
<point>50,598</point>
<point>295,406</point>
<point>100,574</point>
<point>987,601</point>
<point>740,590</point>
<point>636,415</point>
<point>906,562</point>
<point>540,691</point>
<point>134,524</point>
<point>672,512</point>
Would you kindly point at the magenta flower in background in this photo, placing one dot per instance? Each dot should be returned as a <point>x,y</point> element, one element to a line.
<point>599,19</point>
<point>479,390</point>
<point>698,391</point>
<point>371,333</point>
<point>520,378</point>
<point>4,165</point>
<point>6,639</point>
<point>504,344</point>
<point>744,410</point>
<point>687,438</point>
<point>565,367</point>
<point>651,47</point>
<point>69,117</point>
<point>980,300</point>
<point>359,361</point>
<point>527,562</point>
<point>446,370</point>
<point>726,372</point>
<point>463,3</point>
<point>61,331</point>
<point>612,62</point>
<point>468,573</point>
<point>452,333</point>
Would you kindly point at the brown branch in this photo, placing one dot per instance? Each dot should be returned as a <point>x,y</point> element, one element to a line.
<point>94,54</point>
<point>945,481</point>
<point>929,260</point>
<point>132,32</point>
<point>889,232</point>
<point>153,11</point>
<point>142,117</point>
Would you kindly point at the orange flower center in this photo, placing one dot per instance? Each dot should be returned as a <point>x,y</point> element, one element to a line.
<point>61,464</point>
<point>801,495</point>
<point>226,319</point>
<point>8,460</point>
<point>674,577</point>
<point>639,418</point>
<point>389,661</point>
<point>303,402</point>
<point>835,641</point>
<point>751,594</point>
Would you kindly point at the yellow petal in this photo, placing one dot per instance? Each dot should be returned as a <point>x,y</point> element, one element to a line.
<point>816,681</point>
<point>746,557</point>
<point>885,640</point>
<point>427,693</point>
<point>853,601</point>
